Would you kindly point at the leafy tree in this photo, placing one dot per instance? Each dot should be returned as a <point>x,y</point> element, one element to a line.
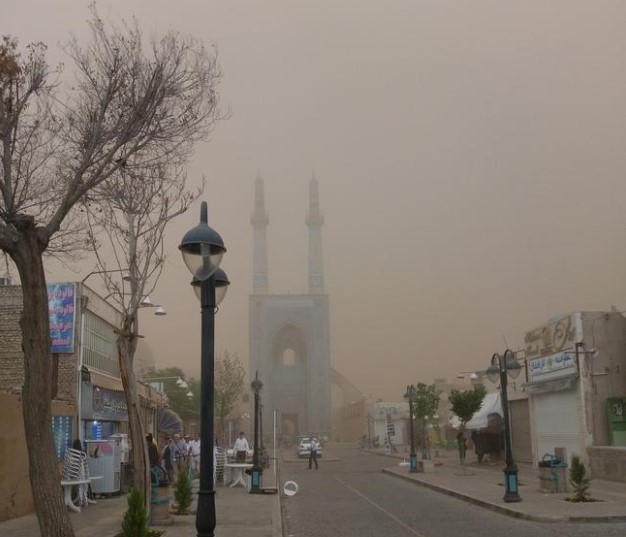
<point>130,103</point>
<point>465,404</point>
<point>187,407</point>
<point>135,521</point>
<point>229,375</point>
<point>425,403</point>
<point>579,480</point>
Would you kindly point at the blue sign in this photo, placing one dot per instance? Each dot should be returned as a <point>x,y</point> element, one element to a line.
<point>61,306</point>
<point>62,428</point>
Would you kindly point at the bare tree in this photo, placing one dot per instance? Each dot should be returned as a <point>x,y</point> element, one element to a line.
<point>130,101</point>
<point>132,210</point>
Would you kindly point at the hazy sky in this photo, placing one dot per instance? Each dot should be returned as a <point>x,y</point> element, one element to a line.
<point>470,156</point>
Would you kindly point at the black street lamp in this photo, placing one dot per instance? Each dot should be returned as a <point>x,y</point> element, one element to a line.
<point>256,471</point>
<point>409,396</point>
<point>202,250</point>
<point>501,367</point>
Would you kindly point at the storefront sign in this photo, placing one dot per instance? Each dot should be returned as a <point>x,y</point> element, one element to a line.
<point>551,338</point>
<point>109,405</point>
<point>61,306</point>
<point>555,366</point>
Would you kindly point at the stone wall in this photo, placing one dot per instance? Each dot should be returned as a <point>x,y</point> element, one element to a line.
<point>607,462</point>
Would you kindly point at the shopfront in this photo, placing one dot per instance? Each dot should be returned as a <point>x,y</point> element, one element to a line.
<point>104,411</point>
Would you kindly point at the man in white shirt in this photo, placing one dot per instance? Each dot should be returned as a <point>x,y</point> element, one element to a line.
<point>194,453</point>
<point>313,449</point>
<point>241,448</point>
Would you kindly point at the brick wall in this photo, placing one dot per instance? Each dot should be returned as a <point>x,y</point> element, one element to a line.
<point>11,356</point>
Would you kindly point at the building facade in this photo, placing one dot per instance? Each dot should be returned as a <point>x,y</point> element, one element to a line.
<point>88,397</point>
<point>290,334</point>
<point>576,390</point>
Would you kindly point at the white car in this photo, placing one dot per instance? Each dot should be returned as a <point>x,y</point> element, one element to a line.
<point>302,447</point>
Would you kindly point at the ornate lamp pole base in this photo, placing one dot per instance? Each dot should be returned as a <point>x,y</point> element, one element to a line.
<point>510,484</point>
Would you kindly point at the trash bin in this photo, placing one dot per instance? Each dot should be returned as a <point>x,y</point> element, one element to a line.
<point>552,474</point>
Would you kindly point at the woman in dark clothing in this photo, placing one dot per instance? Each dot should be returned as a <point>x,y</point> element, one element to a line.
<point>153,454</point>
<point>167,458</point>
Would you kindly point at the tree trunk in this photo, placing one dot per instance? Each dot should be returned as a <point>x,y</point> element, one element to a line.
<point>51,511</point>
<point>141,466</point>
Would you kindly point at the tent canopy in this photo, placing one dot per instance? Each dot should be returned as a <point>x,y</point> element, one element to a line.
<point>491,405</point>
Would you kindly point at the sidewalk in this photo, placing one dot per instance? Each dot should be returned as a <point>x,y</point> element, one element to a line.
<point>483,485</point>
<point>238,514</point>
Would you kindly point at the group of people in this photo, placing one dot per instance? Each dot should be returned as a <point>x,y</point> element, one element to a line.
<point>181,453</point>
<point>178,455</point>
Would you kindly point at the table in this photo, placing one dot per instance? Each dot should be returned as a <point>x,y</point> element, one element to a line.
<point>83,485</point>
<point>67,491</point>
<point>238,475</point>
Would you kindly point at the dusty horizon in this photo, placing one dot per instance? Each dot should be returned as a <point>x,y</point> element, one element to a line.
<point>470,159</point>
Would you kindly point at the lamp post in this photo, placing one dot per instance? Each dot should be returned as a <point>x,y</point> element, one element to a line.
<point>503,366</point>
<point>202,249</point>
<point>256,471</point>
<point>409,396</point>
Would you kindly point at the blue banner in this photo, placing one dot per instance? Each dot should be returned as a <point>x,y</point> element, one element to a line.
<point>62,430</point>
<point>62,305</point>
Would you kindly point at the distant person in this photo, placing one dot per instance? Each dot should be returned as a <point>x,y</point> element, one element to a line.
<point>194,453</point>
<point>153,453</point>
<point>168,459</point>
<point>241,448</point>
<point>314,447</point>
<point>179,449</point>
<point>462,446</point>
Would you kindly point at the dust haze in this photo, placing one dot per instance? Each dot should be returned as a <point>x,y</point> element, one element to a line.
<point>470,157</point>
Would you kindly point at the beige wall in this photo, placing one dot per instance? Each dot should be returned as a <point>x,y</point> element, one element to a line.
<point>15,496</point>
<point>15,493</point>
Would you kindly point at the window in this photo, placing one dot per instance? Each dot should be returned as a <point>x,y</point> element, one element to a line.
<point>289,357</point>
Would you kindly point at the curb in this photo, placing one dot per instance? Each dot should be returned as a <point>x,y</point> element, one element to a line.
<point>503,510</point>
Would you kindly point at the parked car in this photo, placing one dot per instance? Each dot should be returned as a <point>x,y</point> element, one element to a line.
<point>302,446</point>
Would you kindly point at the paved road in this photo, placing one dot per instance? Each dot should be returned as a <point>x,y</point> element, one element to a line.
<point>351,497</point>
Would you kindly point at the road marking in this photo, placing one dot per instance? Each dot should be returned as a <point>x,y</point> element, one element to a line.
<point>380,508</point>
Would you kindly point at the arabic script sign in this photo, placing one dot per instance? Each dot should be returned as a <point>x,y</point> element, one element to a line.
<point>551,338</point>
<point>559,365</point>
<point>61,306</point>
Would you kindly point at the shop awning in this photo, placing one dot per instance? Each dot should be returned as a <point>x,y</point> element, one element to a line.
<point>552,385</point>
<point>105,381</point>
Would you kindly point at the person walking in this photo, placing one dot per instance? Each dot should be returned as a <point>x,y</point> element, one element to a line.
<point>241,448</point>
<point>180,450</point>
<point>194,453</point>
<point>314,447</point>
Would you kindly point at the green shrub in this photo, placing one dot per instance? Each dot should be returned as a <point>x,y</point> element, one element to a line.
<point>135,521</point>
<point>579,480</point>
<point>183,494</point>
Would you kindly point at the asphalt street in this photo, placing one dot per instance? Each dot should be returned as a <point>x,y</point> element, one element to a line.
<point>350,496</point>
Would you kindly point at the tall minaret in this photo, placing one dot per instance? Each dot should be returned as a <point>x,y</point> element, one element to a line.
<point>314,221</point>
<point>259,221</point>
